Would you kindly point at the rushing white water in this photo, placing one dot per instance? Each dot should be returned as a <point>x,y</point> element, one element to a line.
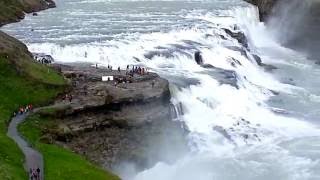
<point>238,130</point>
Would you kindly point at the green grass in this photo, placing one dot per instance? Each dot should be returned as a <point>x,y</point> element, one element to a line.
<point>9,9</point>
<point>17,90</point>
<point>43,73</point>
<point>60,164</point>
<point>37,85</point>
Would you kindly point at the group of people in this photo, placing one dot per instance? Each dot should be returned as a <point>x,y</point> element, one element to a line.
<point>23,110</point>
<point>136,70</point>
<point>34,174</point>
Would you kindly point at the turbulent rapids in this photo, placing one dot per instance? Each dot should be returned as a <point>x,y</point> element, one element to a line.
<point>249,112</point>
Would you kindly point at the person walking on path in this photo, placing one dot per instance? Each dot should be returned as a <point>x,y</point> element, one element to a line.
<point>33,158</point>
<point>38,173</point>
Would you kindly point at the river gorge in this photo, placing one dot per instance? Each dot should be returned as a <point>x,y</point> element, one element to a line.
<point>250,110</point>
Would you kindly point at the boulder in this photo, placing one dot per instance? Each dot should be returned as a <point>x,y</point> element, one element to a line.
<point>267,67</point>
<point>239,36</point>
<point>257,59</point>
<point>239,49</point>
<point>198,58</point>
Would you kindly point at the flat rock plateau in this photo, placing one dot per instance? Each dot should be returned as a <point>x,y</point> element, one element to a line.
<point>113,125</point>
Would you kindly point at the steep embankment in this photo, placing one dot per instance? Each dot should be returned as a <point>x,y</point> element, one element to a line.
<point>265,7</point>
<point>23,81</point>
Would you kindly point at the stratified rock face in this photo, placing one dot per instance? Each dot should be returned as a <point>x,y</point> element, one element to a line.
<point>265,7</point>
<point>113,123</point>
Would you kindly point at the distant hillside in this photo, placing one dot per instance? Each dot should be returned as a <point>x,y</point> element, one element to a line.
<point>13,10</point>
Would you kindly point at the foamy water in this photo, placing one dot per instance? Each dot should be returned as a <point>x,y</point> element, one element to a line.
<point>163,35</point>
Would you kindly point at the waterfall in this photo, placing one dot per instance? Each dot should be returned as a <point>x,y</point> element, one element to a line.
<point>234,132</point>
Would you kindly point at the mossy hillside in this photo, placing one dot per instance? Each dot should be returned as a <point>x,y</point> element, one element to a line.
<point>13,10</point>
<point>10,11</point>
<point>60,164</point>
<point>17,54</point>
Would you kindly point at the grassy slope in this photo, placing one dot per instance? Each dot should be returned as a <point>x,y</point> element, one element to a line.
<point>17,90</point>
<point>60,164</point>
<point>10,10</point>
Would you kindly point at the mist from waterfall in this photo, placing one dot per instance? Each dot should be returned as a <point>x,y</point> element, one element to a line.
<point>296,24</point>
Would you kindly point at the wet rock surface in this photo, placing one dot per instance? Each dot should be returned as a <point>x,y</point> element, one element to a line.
<point>114,124</point>
<point>265,7</point>
<point>239,36</point>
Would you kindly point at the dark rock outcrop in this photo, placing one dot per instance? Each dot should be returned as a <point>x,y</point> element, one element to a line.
<point>198,58</point>
<point>257,59</point>
<point>267,67</point>
<point>265,7</point>
<point>222,75</point>
<point>239,49</point>
<point>239,36</point>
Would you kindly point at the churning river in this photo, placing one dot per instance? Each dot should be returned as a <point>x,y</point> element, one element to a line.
<point>245,121</point>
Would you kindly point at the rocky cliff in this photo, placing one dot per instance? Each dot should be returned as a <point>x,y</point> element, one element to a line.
<point>114,123</point>
<point>265,7</point>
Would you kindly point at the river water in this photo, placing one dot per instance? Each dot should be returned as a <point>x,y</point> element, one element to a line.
<point>244,122</point>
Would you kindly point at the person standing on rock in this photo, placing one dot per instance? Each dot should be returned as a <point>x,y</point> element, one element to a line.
<point>70,97</point>
<point>143,71</point>
<point>153,83</point>
<point>119,70</point>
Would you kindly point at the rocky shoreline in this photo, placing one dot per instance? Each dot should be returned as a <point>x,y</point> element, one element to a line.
<point>112,125</point>
<point>14,10</point>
